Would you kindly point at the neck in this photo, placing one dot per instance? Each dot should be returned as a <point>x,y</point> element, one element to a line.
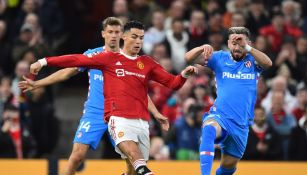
<point>127,52</point>
<point>115,49</point>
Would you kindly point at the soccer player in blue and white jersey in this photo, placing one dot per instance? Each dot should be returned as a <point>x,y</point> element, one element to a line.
<point>92,126</point>
<point>227,122</point>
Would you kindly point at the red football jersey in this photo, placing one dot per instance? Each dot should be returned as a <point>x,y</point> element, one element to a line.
<point>125,80</point>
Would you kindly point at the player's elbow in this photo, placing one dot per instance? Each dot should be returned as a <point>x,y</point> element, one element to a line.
<point>268,64</point>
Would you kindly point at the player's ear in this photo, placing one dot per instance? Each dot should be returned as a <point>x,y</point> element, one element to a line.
<point>124,35</point>
<point>102,34</point>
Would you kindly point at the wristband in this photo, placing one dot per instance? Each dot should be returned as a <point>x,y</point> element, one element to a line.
<point>43,62</point>
<point>183,75</point>
<point>248,48</point>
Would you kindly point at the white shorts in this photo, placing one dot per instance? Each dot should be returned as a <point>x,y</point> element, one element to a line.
<point>137,130</point>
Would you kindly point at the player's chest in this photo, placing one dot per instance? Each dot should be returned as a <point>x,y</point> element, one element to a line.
<point>129,69</point>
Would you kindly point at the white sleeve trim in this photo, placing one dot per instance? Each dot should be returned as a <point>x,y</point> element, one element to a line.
<point>248,48</point>
<point>43,62</point>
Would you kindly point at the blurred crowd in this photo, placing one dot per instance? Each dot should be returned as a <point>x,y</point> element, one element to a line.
<point>32,29</point>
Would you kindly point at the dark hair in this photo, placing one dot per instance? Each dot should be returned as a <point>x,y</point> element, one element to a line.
<point>133,24</point>
<point>239,30</point>
<point>112,21</point>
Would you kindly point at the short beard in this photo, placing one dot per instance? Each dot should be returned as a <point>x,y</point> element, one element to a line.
<point>237,58</point>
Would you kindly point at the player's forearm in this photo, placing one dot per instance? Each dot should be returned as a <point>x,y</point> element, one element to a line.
<point>151,107</point>
<point>76,60</point>
<point>59,76</point>
<point>193,55</point>
<point>177,82</point>
<point>262,59</point>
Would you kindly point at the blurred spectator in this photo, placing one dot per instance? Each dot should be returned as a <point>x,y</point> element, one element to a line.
<point>28,6</point>
<point>257,17</point>
<point>279,84</point>
<point>176,40</point>
<point>203,98</point>
<point>28,38</point>
<point>298,140</point>
<point>281,121</point>
<point>6,95</point>
<point>277,31</point>
<point>298,66</point>
<point>197,29</point>
<point>263,142</point>
<point>120,9</point>
<point>211,7</point>
<point>21,69</point>
<point>184,136</point>
<point>216,23</point>
<point>159,51</point>
<point>216,40</point>
<point>156,33</point>
<point>262,91</point>
<point>142,10</point>
<point>301,97</point>
<point>176,11</point>
<point>29,56</point>
<point>238,20</point>
<point>52,22</point>
<point>15,142</point>
<point>234,6</point>
<point>5,50</point>
<point>43,121</point>
<point>262,44</point>
<point>158,149</point>
<point>292,12</point>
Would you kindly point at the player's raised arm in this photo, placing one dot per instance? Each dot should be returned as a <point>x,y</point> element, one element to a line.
<point>75,60</point>
<point>58,76</point>
<point>199,55</point>
<point>262,59</point>
<point>174,82</point>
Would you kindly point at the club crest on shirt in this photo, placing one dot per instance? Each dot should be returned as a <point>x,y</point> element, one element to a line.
<point>140,65</point>
<point>248,64</point>
<point>120,134</point>
<point>79,134</point>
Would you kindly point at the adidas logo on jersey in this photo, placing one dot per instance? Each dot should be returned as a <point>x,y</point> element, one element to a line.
<point>118,63</point>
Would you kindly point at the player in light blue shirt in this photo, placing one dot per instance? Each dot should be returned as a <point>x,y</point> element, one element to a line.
<point>92,125</point>
<point>227,122</point>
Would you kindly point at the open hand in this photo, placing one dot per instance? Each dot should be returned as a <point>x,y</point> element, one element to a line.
<point>163,121</point>
<point>27,85</point>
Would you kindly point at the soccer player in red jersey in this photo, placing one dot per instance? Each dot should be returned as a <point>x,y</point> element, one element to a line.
<point>126,77</point>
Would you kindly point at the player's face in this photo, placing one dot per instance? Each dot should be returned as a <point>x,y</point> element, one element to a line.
<point>112,35</point>
<point>236,50</point>
<point>133,40</point>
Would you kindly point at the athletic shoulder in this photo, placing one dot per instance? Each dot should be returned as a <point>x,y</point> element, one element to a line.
<point>148,59</point>
<point>94,51</point>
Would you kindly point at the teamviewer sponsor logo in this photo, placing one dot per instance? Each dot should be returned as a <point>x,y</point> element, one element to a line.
<point>239,75</point>
<point>120,72</point>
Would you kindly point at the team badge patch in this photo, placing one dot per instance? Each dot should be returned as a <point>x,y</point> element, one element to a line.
<point>121,134</point>
<point>140,65</point>
<point>248,64</point>
<point>79,134</point>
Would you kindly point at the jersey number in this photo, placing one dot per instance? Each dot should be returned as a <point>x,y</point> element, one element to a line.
<point>85,126</point>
